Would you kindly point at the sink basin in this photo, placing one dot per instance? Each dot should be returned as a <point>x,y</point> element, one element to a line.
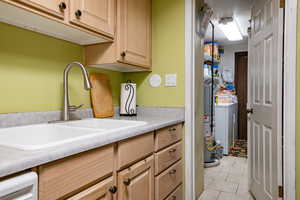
<point>104,124</point>
<point>42,136</point>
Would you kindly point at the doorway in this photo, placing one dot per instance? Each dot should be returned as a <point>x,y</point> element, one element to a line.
<point>241,80</point>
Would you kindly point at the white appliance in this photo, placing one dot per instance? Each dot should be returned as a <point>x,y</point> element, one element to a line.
<point>22,187</point>
<point>226,125</point>
<point>128,99</point>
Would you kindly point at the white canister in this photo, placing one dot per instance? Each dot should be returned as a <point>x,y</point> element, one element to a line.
<point>128,99</point>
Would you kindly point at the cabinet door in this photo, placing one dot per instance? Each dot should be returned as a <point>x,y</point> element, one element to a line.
<point>137,181</point>
<point>53,7</point>
<point>96,15</point>
<point>101,191</point>
<point>134,32</point>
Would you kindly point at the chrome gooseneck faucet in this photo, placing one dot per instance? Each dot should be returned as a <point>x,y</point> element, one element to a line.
<point>87,86</point>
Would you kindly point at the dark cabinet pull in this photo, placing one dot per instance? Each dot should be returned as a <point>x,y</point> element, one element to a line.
<point>173,197</point>
<point>113,189</point>
<point>62,5</point>
<point>173,171</point>
<point>127,181</point>
<point>123,54</point>
<point>78,13</point>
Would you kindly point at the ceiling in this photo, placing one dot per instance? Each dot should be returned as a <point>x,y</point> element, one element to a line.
<point>240,10</point>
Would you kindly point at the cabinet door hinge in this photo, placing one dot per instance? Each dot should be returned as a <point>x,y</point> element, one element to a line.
<point>280,191</point>
<point>282,3</point>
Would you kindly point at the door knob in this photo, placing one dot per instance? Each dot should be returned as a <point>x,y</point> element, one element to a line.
<point>250,111</point>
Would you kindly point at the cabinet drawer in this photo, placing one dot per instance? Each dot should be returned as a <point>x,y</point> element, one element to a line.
<point>176,195</point>
<point>166,157</point>
<point>100,191</point>
<point>167,136</point>
<point>134,149</point>
<point>167,181</point>
<point>60,178</point>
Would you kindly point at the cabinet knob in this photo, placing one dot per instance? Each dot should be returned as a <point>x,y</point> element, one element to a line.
<point>123,54</point>
<point>113,189</point>
<point>173,171</point>
<point>62,5</point>
<point>78,13</point>
<point>127,181</point>
<point>173,197</point>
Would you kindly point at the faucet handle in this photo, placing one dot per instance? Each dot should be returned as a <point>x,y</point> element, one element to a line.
<point>73,108</point>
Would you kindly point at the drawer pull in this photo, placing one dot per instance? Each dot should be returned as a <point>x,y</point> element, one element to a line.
<point>62,6</point>
<point>113,189</point>
<point>123,54</point>
<point>173,171</point>
<point>173,197</point>
<point>78,13</point>
<point>172,129</point>
<point>172,150</point>
<point>127,181</point>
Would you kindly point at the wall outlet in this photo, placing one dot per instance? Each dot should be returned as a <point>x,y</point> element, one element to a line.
<point>171,80</point>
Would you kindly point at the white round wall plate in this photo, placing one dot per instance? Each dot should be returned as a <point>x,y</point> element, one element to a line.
<point>155,80</point>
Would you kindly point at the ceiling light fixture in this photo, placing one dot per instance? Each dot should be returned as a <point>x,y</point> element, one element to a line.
<point>230,28</point>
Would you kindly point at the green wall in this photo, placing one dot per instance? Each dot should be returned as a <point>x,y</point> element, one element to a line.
<point>31,69</point>
<point>32,64</point>
<point>298,111</point>
<point>168,56</point>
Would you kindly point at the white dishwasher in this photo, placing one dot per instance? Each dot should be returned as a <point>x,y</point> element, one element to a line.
<point>21,187</point>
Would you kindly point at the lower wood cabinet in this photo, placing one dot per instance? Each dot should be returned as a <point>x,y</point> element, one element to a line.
<point>62,178</point>
<point>126,170</point>
<point>104,190</point>
<point>137,181</point>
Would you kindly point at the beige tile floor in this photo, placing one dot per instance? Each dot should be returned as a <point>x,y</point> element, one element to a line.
<point>228,181</point>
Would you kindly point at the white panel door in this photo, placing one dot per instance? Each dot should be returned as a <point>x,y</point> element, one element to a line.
<point>265,98</point>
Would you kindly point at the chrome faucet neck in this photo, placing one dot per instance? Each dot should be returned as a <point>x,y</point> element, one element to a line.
<point>87,86</point>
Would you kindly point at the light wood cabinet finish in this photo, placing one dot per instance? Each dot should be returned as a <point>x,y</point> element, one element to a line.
<point>51,7</point>
<point>167,181</point>
<point>97,15</point>
<point>100,191</point>
<point>132,49</point>
<point>137,181</point>
<point>167,157</point>
<point>167,136</point>
<point>176,195</point>
<point>65,176</point>
<point>134,24</point>
<point>134,149</point>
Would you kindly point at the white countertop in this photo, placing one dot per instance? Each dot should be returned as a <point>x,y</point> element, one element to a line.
<point>13,160</point>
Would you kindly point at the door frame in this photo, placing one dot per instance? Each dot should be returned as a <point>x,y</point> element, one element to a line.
<point>289,105</point>
<point>236,54</point>
<point>289,99</point>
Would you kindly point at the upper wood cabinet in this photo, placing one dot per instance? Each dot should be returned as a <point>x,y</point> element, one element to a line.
<point>134,24</point>
<point>83,22</point>
<point>137,181</point>
<point>131,50</point>
<point>97,15</point>
<point>54,7</point>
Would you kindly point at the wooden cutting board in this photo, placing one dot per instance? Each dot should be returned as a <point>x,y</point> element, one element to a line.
<point>101,95</point>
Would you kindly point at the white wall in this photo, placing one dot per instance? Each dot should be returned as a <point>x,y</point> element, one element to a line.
<point>228,59</point>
